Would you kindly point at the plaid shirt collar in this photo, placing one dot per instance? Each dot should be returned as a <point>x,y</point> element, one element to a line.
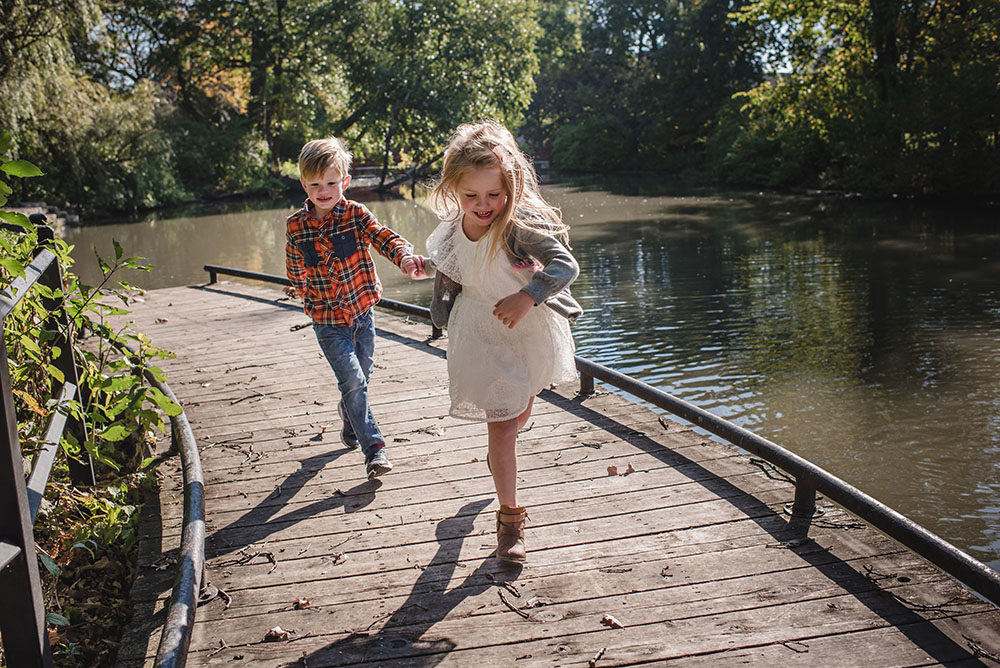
<point>336,213</point>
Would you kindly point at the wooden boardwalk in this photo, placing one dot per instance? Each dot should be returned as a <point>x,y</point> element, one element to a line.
<point>687,548</point>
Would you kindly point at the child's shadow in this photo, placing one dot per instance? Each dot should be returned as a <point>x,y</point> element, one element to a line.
<point>260,522</point>
<point>428,603</point>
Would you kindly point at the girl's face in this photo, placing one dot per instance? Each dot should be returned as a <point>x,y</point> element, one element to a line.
<point>482,196</point>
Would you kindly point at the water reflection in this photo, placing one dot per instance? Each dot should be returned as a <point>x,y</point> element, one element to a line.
<point>862,336</point>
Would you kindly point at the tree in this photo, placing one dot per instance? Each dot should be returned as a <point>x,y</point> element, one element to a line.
<point>416,70</point>
<point>648,78</point>
<point>879,95</point>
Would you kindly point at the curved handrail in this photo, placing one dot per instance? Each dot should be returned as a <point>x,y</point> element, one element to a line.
<point>809,478</point>
<point>176,635</point>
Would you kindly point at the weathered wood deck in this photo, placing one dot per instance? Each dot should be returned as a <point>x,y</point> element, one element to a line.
<point>691,552</point>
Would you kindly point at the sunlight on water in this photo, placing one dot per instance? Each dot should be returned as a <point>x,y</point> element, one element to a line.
<point>862,336</point>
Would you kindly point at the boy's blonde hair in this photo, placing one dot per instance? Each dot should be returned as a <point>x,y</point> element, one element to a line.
<point>320,154</point>
<point>487,143</point>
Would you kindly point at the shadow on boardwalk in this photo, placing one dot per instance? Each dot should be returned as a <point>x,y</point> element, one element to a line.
<point>426,605</point>
<point>257,524</point>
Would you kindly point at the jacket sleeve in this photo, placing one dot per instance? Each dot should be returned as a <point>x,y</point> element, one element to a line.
<point>559,266</point>
<point>445,292</point>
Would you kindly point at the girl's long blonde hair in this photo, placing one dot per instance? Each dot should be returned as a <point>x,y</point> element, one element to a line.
<point>485,144</point>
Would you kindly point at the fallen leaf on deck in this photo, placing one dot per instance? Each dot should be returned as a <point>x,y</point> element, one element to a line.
<point>277,634</point>
<point>163,563</point>
<point>302,603</point>
<point>537,602</point>
<point>608,620</point>
<point>612,470</point>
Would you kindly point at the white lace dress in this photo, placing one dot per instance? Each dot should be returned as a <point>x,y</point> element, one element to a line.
<point>494,370</point>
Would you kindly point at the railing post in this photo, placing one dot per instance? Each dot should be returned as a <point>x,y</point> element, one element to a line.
<point>586,384</point>
<point>22,617</point>
<point>804,503</point>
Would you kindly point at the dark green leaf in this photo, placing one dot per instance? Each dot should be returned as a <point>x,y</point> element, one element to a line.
<point>50,565</point>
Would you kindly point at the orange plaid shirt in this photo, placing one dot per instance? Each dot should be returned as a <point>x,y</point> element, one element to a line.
<point>328,262</point>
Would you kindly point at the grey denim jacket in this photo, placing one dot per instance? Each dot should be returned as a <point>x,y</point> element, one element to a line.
<point>549,285</point>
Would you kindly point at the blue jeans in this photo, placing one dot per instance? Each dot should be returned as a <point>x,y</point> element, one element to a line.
<point>349,351</point>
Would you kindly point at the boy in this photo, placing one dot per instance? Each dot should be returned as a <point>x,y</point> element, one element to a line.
<point>331,270</point>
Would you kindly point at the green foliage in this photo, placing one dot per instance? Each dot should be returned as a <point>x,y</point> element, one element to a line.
<point>115,406</point>
<point>883,97</point>
<point>415,70</point>
<point>650,73</point>
<point>595,144</point>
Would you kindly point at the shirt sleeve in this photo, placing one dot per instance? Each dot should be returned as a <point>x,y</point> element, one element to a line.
<point>386,243</point>
<point>294,262</point>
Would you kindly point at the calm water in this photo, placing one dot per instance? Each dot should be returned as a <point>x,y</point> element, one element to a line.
<point>862,336</point>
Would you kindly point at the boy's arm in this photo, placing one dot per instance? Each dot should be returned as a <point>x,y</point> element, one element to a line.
<point>392,246</point>
<point>295,266</point>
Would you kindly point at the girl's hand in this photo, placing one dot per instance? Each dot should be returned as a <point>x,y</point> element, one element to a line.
<point>413,266</point>
<point>512,308</point>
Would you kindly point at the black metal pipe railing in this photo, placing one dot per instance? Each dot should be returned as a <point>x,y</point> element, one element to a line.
<point>809,478</point>
<point>176,635</point>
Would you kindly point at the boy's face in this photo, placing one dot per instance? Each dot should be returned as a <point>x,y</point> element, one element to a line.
<point>325,190</point>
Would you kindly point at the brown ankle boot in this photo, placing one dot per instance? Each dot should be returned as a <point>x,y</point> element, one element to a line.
<point>510,534</point>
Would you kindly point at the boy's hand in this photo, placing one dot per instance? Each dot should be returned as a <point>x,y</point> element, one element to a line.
<point>413,266</point>
<point>512,308</point>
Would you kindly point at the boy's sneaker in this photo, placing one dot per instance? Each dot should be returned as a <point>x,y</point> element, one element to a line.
<point>347,435</point>
<point>377,464</point>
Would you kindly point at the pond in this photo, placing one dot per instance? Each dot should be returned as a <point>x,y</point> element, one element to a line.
<point>864,336</point>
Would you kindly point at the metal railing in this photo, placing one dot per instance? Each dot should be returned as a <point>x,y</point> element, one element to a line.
<point>809,478</point>
<point>22,614</point>
<point>175,637</point>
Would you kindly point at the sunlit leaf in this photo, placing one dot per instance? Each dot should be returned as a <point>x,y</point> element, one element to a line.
<point>16,218</point>
<point>20,168</point>
<point>13,267</point>
<point>115,432</point>
<point>30,402</point>
<point>30,344</point>
<point>56,373</point>
<point>163,402</point>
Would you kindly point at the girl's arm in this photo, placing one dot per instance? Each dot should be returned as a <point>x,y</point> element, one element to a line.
<point>559,266</point>
<point>558,271</point>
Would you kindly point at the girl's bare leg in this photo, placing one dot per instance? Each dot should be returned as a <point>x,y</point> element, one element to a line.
<point>502,452</point>
<point>503,459</point>
<point>522,419</point>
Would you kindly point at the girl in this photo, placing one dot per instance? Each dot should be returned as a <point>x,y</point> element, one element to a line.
<point>500,250</point>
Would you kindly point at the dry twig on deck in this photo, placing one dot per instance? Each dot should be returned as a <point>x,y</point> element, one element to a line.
<point>522,613</point>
